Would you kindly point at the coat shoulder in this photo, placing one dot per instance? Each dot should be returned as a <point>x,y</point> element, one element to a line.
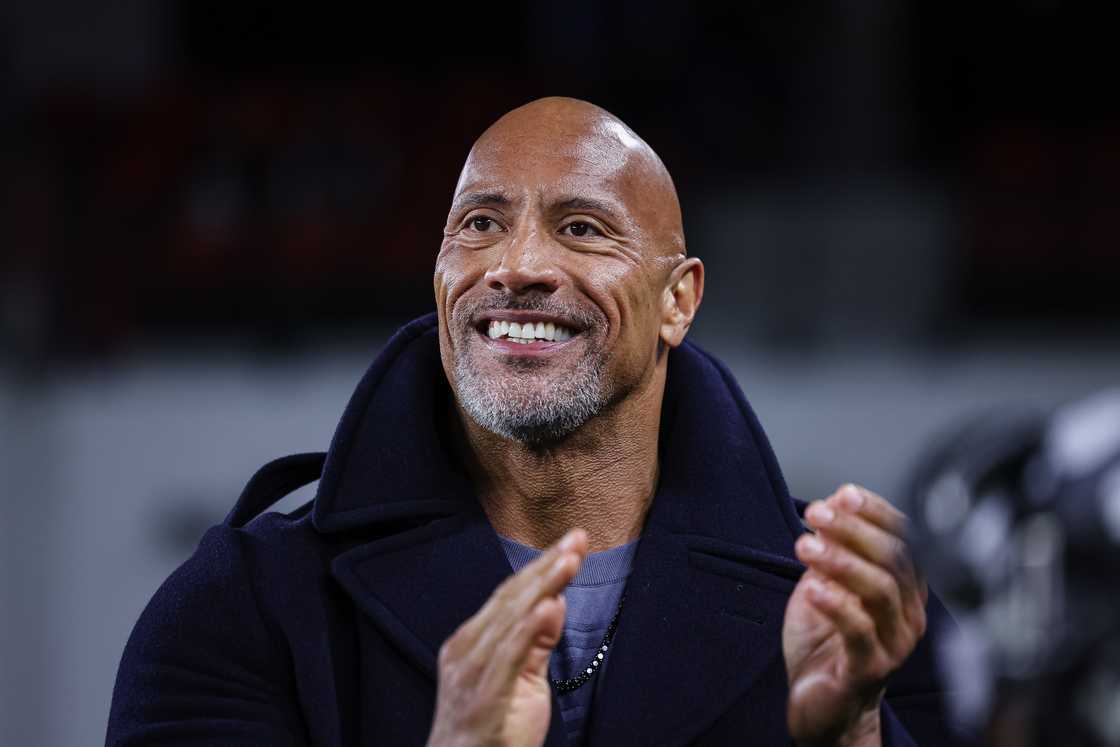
<point>203,641</point>
<point>212,653</point>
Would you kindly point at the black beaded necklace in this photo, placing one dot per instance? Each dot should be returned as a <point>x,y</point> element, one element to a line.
<point>573,683</point>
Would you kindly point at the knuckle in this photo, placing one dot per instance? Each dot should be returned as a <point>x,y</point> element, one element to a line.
<point>460,678</point>
<point>920,623</point>
<point>845,525</point>
<point>845,601</point>
<point>505,590</point>
<point>836,558</point>
<point>899,553</point>
<point>879,597</point>
<point>521,629</point>
<point>447,657</point>
<point>885,590</point>
<point>863,626</point>
<point>881,669</point>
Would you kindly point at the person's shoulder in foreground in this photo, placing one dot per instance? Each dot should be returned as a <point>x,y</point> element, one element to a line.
<point>551,400</point>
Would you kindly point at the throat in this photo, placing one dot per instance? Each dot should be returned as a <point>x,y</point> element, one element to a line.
<point>536,498</point>
<point>600,478</point>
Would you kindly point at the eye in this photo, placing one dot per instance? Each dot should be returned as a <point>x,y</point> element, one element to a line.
<point>580,229</point>
<point>482,224</point>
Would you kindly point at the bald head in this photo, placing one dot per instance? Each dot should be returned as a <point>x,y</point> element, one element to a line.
<point>561,278</point>
<point>569,140</point>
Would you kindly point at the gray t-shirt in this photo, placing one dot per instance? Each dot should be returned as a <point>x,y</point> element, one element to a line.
<point>592,599</point>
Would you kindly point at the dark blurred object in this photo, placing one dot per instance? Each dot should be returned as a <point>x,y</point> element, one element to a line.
<point>851,171</point>
<point>1017,523</point>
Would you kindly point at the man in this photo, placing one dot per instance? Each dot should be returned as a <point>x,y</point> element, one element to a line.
<point>551,403</point>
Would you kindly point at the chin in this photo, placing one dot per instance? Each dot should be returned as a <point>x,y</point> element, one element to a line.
<point>530,407</point>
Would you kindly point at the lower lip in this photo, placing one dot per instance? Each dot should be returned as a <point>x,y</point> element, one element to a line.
<point>535,348</point>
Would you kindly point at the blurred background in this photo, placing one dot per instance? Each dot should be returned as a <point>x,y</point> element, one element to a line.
<point>217,212</point>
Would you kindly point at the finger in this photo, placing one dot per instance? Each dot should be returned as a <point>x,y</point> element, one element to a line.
<point>546,575</point>
<point>876,589</point>
<point>868,540</point>
<point>872,507</point>
<point>853,622</point>
<point>510,605</point>
<point>507,617</point>
<point>878,510</point>
<point>530,644</point>
<point>923,587</point>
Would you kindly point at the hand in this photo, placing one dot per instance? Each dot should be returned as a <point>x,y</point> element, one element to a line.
<point>493,671</point>
<point>856,614</point>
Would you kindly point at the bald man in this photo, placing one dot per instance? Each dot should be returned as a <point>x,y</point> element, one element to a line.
<point>545,517</point>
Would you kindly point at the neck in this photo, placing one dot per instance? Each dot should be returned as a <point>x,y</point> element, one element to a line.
<point>601,478</point>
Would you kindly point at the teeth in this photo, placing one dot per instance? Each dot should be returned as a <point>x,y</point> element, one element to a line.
<point>528,332</point>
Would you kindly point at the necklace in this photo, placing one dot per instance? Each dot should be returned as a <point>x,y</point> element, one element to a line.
<point>572,683</point>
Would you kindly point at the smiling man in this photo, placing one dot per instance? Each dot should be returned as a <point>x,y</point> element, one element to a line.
<point>545,518</point>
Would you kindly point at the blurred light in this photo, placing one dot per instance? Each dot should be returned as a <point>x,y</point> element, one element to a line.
<point>1110,503</point>
<point>985,534</point>
<point>1085,434</point>
<point>947,503</point>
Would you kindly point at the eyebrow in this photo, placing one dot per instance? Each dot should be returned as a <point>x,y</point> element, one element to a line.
<point>587,204</point>
<point>479,199</point>
<point>581,204</point>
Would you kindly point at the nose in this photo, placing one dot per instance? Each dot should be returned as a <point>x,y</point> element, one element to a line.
<point>525,264</point>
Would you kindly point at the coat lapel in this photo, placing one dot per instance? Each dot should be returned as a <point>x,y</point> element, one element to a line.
<point>713,573</point>
<point>714,568</point>
<point>701,623</point>
<point>419,586</point>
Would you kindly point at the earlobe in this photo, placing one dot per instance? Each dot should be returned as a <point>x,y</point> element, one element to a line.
<point>680,300</point>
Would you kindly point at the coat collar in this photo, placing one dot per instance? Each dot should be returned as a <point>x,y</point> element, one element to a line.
<point>711,574</point>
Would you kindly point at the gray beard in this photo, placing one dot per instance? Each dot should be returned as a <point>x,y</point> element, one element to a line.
<point>533,410</point>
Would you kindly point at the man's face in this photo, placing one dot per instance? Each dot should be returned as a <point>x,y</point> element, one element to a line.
<point>548,279</point>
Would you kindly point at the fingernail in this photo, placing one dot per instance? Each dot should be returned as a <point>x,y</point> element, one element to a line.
<point>569,540</point>
<point>853,496</point>
<point>822,513</point>
<point>812,546</point>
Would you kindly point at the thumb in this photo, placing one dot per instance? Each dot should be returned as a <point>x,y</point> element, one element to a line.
<point>549,614</point>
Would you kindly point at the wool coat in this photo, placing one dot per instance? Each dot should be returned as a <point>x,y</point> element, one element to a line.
<point>322,626</point>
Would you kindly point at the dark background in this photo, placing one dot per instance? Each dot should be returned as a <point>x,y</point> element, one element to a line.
<point>216,212</point>
<point>199,166</point>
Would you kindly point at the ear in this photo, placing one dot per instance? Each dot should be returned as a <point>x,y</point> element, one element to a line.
<point>680,300</point>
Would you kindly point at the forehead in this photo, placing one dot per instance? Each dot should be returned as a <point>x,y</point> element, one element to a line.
<point>599,163</point>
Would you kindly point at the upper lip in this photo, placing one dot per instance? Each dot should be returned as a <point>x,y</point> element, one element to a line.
<point>521,316</point>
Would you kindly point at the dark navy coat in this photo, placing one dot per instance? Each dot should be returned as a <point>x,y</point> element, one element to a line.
<point>322,626</point>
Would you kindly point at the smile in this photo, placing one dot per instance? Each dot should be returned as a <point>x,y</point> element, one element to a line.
<point>527,332</point>
<point>521,333</point>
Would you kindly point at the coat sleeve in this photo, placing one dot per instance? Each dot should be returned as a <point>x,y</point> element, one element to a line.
<point>201,666</point>
<point>916,710</point>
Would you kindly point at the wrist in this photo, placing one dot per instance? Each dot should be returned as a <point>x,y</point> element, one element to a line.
<point>864,730</point>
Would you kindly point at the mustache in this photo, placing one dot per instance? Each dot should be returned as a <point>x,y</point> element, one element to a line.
<point>544,303</point>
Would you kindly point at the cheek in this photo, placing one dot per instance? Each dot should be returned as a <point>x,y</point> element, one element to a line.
<point>624,294</point>
<point>608,284</point>
<point>455,273</point>
<point>630,298</point>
